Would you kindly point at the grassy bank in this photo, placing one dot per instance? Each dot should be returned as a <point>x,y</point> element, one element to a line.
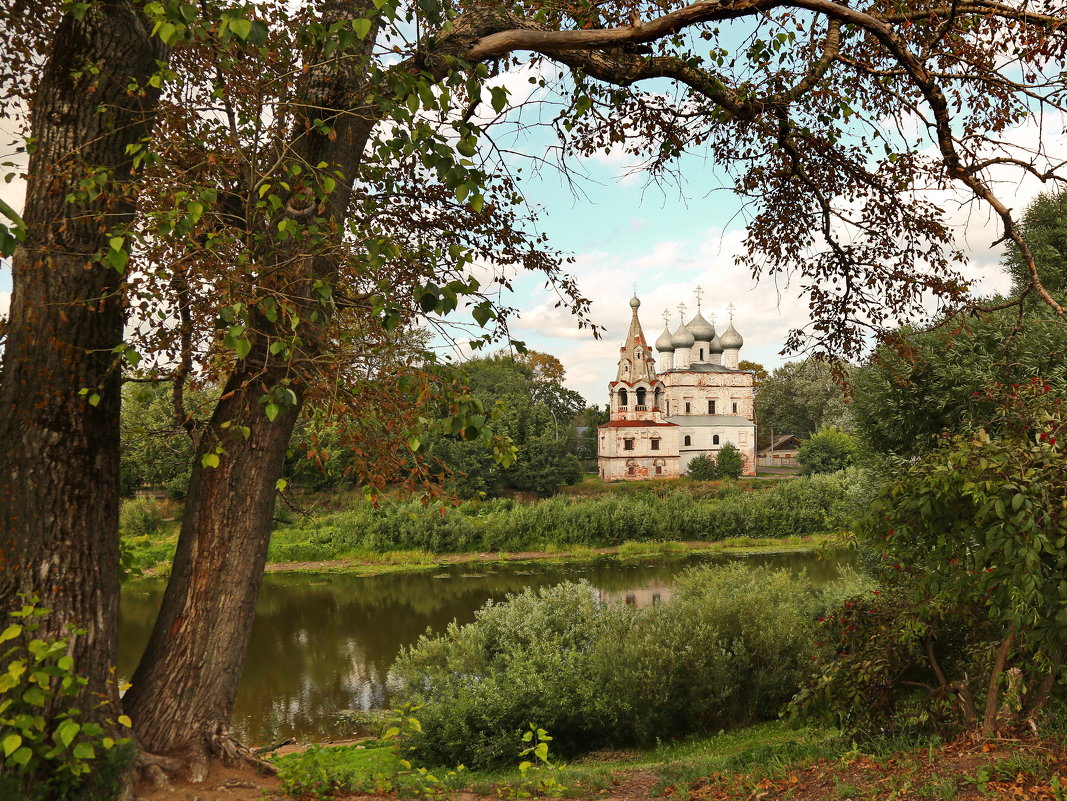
<point>767,761</point>
<point>637,518</point>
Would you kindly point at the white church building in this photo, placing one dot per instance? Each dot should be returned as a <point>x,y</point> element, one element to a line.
<point>693,404</point>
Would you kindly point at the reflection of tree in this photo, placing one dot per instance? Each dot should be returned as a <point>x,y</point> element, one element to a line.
<point>325,643</point>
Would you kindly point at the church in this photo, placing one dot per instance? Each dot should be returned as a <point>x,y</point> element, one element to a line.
<point>692,404</point>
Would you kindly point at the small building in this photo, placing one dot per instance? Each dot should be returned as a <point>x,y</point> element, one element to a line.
<point>693,404</point>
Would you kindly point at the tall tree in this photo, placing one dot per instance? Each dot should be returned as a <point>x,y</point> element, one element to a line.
<point>800,398</point>
<point>59,385</point>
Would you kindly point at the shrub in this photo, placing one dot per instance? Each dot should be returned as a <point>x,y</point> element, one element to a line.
<point>702,468</point>
<point>827,451</point>
<point>731,647</point>
<point>140,516</point>
<point>54,755</point>
<point>729,464</point>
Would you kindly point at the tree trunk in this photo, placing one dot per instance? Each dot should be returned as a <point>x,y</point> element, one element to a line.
<point>59,466</point>
<point>186,684</point>
<point>183,691</point>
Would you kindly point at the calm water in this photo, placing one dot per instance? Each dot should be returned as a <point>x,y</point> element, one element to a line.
<point>322,644</point>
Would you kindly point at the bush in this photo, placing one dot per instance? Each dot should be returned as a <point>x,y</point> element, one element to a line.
<point>702,468</point>
<point>729,463</point>
<point>731,647</point>
<point>140,516</point>
<point>51,755</point>
<point>828,451</point>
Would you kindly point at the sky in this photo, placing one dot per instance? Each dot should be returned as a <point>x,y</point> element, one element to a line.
<point>622,233</point>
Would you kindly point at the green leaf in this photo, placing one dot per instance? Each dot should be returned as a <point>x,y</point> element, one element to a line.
<point>361,27</point>
<point>11,632</point>
<point>166,32</point>
<point>500,98</point>
<point>124,720</point>
<point>84,750</point>
<point>67,731</point>
<point>11,744</point>
<point>210,460</point>
<point>241,28</point>
<point>94,399</point>
<point>272,411</point>
<point>116,242</point>
<point>243,347</point>
<point>328,184</point>
<point>281,484</point>
<point>22,756</point>
<point>414,443</point>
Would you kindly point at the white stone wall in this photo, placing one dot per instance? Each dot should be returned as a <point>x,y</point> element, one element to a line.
<point>616,459</point>
<point>702,441</point>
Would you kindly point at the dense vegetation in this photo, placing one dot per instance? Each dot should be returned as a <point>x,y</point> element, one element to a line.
<point>731,647</point>
<point>822,503</point>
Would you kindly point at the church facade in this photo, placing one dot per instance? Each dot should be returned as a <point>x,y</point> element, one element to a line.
<point>694,401</point>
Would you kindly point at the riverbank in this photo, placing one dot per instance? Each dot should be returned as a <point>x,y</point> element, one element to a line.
<point>349,533</point>
<point>769,762</point>
<point>404,561</point>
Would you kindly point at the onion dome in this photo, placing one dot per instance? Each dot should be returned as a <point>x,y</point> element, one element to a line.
<point>701,329</point>
<point>683,338</point>
<point>634,302</point>
<point>715,346</point>
<point>665,344</point>
<point>731,340</point>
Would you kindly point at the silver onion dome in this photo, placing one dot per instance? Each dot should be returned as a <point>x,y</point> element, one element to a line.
<point>731,340</point>
<point>665,344</point>
<point>701,329</point>
<point>682,338</point>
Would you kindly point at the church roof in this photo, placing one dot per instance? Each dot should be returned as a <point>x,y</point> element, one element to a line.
<point>665,344</point>
<point>731,340</point>
<point>633,424</point>
<point>701,420</point>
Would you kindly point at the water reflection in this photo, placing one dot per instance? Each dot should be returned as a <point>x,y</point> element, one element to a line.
<point>324,643</point>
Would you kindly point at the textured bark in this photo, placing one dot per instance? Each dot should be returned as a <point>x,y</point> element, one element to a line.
<point>59,466</point>
<point>185,686</point>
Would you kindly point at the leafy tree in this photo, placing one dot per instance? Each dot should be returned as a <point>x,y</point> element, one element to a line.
<point>972,536</point>
<point>703,468</point>
<point>800,398</point>
<point>533,412</point>
<point>827,451</point>
<point>1044,225</point>
<point>935,380</point>
<point>728,462</point>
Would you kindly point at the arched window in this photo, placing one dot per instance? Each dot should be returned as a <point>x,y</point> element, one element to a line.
<point>701,354</point>
<point>641,392</point>
<point>688,440</point>
<point>715,439</point>
<point>623,400</point>
<point>658,396</point>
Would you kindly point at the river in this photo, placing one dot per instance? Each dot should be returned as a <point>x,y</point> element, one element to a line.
<point>323,643</point>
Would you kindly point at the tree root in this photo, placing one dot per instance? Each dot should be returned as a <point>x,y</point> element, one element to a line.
<point>194,760</point>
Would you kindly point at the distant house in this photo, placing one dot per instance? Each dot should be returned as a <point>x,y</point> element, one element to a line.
<point>782,452</point>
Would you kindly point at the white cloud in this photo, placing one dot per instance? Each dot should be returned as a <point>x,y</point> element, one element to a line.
<point>5,303</point>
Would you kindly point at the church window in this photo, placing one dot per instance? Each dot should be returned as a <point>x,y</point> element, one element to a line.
<point>715,439</point>
<point>659,470</point>
<point>688,407</point>
<point>688,440</point>
<point>655,444</point>
<point>711,407</point>
<point>622,398</point>
<point>641,392</point>
<point>631,470</point>
<point>627,444</point>
<point>735,408</point>
<point>701,354</point>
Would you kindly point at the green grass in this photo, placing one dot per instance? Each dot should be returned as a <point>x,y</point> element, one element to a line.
<point>763,749</point>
